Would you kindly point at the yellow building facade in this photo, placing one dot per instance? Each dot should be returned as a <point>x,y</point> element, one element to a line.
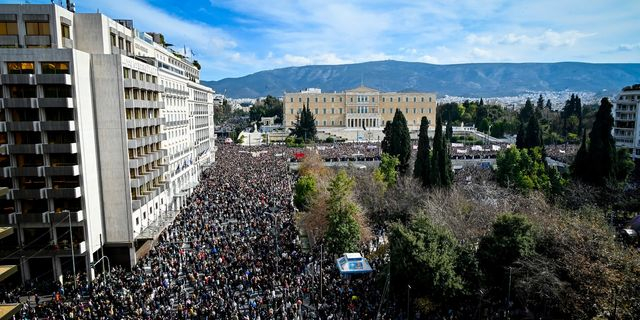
<point>359,107</point>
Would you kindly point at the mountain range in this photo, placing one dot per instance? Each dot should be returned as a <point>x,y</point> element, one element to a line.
<point>468,80</point>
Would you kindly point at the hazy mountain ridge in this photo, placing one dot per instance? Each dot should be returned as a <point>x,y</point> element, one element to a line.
<point>474,80</point>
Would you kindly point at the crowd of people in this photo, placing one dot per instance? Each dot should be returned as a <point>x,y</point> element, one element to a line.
<point>233,253</point>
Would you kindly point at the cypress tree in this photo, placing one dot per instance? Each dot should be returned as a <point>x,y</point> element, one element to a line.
<point>602,149</point>
<point>579,167</point>
<point>436,177</point>
<point>533,134</point>
<point>520,137</point>
<point>400,141</point>
<point>526,112</point>
<point>423,159</point>
<point>481,102</point>
<point>449,132</point>
<point>385,145</point>
<point>441,174</point>
<point>548,105</point>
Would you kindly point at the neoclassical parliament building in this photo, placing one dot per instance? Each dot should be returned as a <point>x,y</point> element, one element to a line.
<point>359,108</point>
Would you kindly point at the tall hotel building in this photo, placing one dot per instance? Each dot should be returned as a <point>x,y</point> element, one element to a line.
<point>626,112</point>
<point>359,108</point>
<point>90,138</point>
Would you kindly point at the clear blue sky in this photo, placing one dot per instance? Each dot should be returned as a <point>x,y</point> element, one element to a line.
<point>233,38</point>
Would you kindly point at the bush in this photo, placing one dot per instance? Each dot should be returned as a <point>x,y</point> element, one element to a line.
<point>329,140</point>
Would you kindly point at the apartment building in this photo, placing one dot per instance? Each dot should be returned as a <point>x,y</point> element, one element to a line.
<point>189,116</point>
<point>84,150</point>
<point>359,108</point>
<point>626,111</point>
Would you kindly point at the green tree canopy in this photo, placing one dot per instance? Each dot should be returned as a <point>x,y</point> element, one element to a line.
<point>425,256</point>
<point>387,171</point>
<point>305,191</point>
<point>511,238</point>
<point>343,230</point>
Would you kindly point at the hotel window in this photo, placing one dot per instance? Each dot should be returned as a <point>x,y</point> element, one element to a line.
<point>429,99</point>
<point>331,99</point>
<point>390,110</point>
<point>56,91</point>
<point>20,67</point>
<point>291,110</point>
<point>324,123</point>
<point>340,122</point>
<point>8,28</point>
<point>121,42</point>
<point>351,99</point>
<point>324,111</point>
<point>55,67</point>
<point>421,110</point>
<point>315,111</point>
<point>406,110</point>
<point>324,99</point>
<point>113,39</point>
<point>128,46</point>
<point>383,108</point>
<point>414,99</point>
<point>332,123</point>
<point>340,110</point>
<point>316,99</point>
<point>22,91</point>
<point>291,100</point>
<point>340,99</point>
<point>300,99</point>
<point>390,99</point>
<point>414,110</point>
<point>134,74</point>
<point>421,99</point>
<point>429,110</point>
<point>373,99</point>
<point>406,99</point>
<point>127,93</point>
<point>66,32</point>
<point>37,28</point>
<point>333,111</point>
<point>382,99</point>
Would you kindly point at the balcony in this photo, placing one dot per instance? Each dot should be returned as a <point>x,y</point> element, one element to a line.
<point>62,170</point>
<point>7,220</point>
<point>54,79</point>
<point>63,216</point>
<point>9,41</point>
<point>58,125</point>
<point>27,171</point>
<point>27,194</point>
<point>56,102</point>
<point>37,40</point>
<point>32,126</point>
<point>25,148</point>
<point>29,79</point>
<point>60,148</point>
<point>79,248</point>
<point>67,193</point>
<point>132,83</point>
<point>29,103</point>
<point>33,218</point>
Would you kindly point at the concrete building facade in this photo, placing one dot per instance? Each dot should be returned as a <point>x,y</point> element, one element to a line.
<point>626,112</point>
<point>360,108</point>
<point>85,151</point>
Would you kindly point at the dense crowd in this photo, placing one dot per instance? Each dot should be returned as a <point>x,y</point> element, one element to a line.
<point>232,253</point>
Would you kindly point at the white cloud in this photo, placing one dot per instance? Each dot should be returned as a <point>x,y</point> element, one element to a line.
<point>477,39</point>
<point>481,53</point>
<point>629,47</point>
